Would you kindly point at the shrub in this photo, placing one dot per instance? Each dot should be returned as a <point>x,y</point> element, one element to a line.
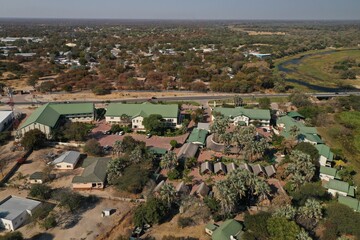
<point>173,174</point>
<point>173,143</point>
<point>40,191</point>
<point>34,139</point>
<point>185,222</point>
<point>12,236</point>
<point>92,147</point>
<point>49,222</point>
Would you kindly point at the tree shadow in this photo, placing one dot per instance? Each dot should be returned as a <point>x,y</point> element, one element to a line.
<point>43,236</point>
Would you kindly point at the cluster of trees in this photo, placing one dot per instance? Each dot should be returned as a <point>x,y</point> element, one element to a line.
<point>240,186</point>
<point>132,166</point>
<point>345,68</point>
<point>244,137</point>
<point>33,139</point>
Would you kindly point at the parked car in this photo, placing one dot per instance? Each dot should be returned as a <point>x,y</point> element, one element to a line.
<point>148,135</point>
<point>121,133</point>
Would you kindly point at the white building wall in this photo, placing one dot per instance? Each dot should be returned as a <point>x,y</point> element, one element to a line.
<point>326,177</point>
<point>6,122</point>
<point>334,192</point>
<point>43,128</point>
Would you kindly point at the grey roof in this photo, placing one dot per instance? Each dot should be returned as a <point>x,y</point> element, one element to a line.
<point>37,175</point>
<point>246,167</point>
<point>219,167</point>
<point>257,169</point>
<point>182,188</point>
<point>270,170</point>
<point>203,189</point>
<point>231,167</point>
<point>4,115</point>
<point>71,157</point>
<point>12,206</point>
<point>188,150</point>
<point>205,126</point>
<point>158,187</point>
<point>94,171</point>
<point>207,166</point>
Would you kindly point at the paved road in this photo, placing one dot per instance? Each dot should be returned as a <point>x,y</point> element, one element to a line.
<point>205,97</point>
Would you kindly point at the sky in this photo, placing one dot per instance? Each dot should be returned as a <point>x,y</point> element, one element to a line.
<point>183,9</point>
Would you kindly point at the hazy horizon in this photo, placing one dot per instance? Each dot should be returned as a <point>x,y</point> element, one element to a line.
<point>315,10</point>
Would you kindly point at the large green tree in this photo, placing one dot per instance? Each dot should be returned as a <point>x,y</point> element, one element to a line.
<point>280,228</point>
<point>34,139</point>
<point>154,123</point>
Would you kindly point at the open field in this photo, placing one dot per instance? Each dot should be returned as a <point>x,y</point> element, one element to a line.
<point>316,67</point>
<point>348,144</point>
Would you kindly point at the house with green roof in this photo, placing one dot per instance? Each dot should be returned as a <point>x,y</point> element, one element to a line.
<point>198,136</point>
<point>295,115</point>
<point>327,173</point>
<point>228,230</point>
<point>350,202</point>
<point>93,175</point>
<point>243,116</point>
<point>326,156</point>
<point>134,114</point>
<point>339,187</point>
<point>306,134</point>
<point>48,117</point>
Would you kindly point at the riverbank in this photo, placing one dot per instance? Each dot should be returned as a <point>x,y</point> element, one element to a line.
<point>313,70</point>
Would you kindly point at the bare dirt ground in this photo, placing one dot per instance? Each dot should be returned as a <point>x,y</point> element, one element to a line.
<point>88,225</point>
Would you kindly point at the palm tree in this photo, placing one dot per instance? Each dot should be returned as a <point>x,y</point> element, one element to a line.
<point>219,126</point>
<point>117,148</point>
<point>226,195</point>
<point>136,155</point>
<point>168,161</point>
<point>303,235</point>
<point>300,168</point>
<point>256,148</point>
<point>262,189</point>
<point>167,193</point>
<point>294,131</point>
<point>286,211</point>
<point>311,210</point>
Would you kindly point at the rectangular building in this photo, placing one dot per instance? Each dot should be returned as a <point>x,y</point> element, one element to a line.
<point>47,117</point>
<point>6,119</point>
<point>15,211</point>
<point>133,114</point>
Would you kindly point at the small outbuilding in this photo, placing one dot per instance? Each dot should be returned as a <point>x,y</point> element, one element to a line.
<point>231,167</point>
<point>203,190</point>
<point>188,150</point>
<point>37,178</point>
<point>258,169</point>
<point>207,167</point>
<point>270,170</point>
<point>219,168</point>
<point>67,160</point>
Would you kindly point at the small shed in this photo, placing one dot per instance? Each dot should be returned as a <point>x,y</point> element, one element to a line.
<point>188,150</point>
<point>204,126</point>
<point>231,167</point>
<point>37,178</point>
<point>108,212</point>
<point>270,170</point>
<point>258,169</point>
<point>202,190</point>
<point>207,167</point>
<point>181,188</point>
<point>246,167</point>
<point>158,187</point>
<point>219,168</point>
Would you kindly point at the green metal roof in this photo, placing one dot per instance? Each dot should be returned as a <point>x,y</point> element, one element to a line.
<point>158,151</point>
<point>324,150</point>
<point>260,114</point>
<point>211,226</point>
<point>311,137</point>
<point>350,202</point>
<point>340,186</point>
<point>228,228</point>
<point>144,110</point>
<point>309,130</point>
<point>328,171</point>
<point>198,136</point>
<point>50,113</point>
<point>94,171</point>
<point>294,114</point>
<point>37,175</point>
<point>288,122</point>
